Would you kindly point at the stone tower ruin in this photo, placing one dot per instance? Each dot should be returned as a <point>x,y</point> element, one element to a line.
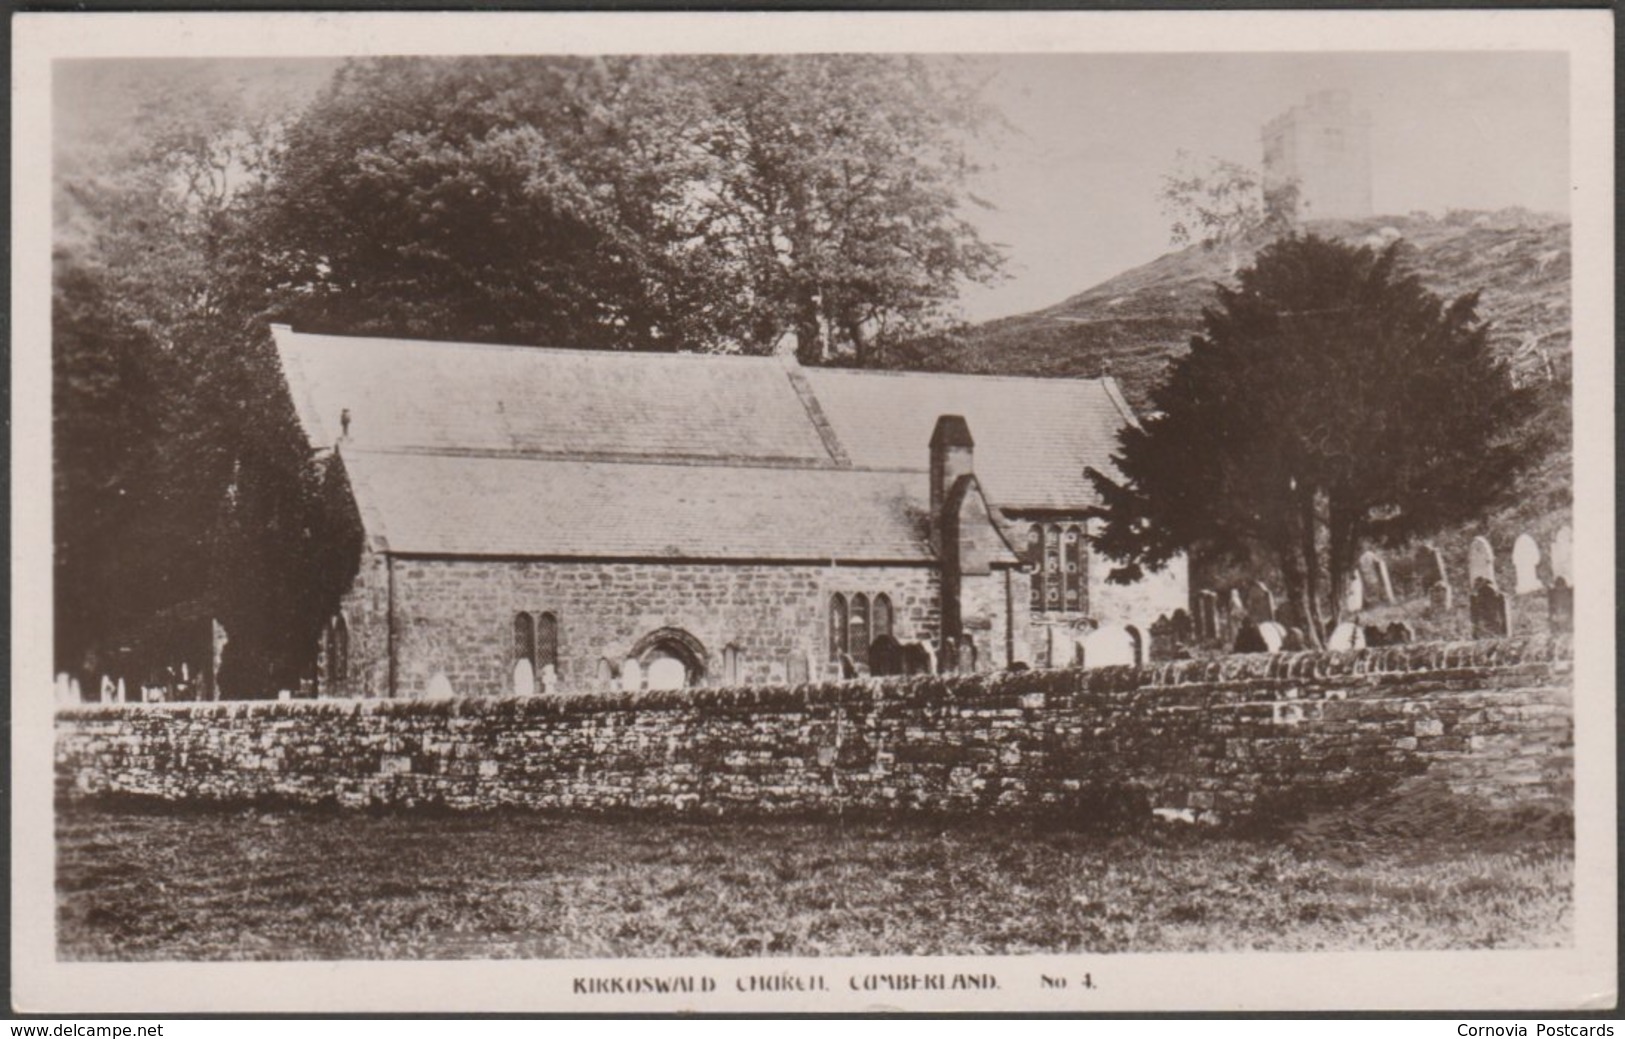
<point>1324,147</point>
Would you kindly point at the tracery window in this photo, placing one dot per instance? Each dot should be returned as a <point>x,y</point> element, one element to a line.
<point>858,626</point>
<point>1059,560</point>
<point>883,615</point>
<point>547,642</point>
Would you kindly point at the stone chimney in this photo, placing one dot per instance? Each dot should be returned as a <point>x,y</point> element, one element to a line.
<point>952,451</point>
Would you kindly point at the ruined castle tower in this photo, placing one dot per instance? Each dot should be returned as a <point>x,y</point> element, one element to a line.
<point>1324,146</point>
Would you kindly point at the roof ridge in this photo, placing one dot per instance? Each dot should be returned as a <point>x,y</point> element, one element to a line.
<point>523,347</point>
<point>979,377</point>
<point>591,458</point>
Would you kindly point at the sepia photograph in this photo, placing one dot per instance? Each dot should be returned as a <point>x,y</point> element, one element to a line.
<point>839,513</point>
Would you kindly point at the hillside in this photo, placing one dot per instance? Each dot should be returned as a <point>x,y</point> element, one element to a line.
<point>1134,324</point>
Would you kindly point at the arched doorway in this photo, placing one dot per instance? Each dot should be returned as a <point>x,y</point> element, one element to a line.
<point>671,658</point>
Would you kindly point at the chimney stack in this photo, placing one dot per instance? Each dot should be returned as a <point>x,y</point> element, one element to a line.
<point>952,452</point>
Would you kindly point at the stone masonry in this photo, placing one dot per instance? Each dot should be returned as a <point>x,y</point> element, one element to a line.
<point>1493,720</point>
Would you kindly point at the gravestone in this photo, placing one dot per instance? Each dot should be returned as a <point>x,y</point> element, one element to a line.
<point>1563,556</point>
<point>631,675</point>
<point>439,687</point>
<point>1179,626</point>
<point>1021,652</point>
<point>1375,635</point>
<point>1492,619</point>
<point>849,667</point>
<point>1235,610</point>
<point>1399,633</point>
<point>930,657</point>
<point>1162,638</point>
<point>1274,636</point>
<point>1207,615</point>
<point>885,656</point>
<point>1354,594</point>
<point>1295,641</point>
<point>1374,575</point>
<point>915,659</point>
<point>1480,564</point>
<point>1107,646</point>
<point>524,678</point>
<point>1525,560</point>
<point>1260,603</point>
<point>550,679</point>
<point>604,674</point>
<point>1439,598</point>
<point>667,673</point>
<point>1560,607</point>
<point>1250,640</point>
<point>1430,570</point>
<point>1346,636</point>
<point>947,655</point>
<point>967,655</point>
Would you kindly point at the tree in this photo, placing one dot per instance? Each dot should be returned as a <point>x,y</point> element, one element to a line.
<point>1222,203</point>
<point>1330,402</point>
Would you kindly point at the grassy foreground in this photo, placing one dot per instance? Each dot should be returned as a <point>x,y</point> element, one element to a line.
<point>150,884</point>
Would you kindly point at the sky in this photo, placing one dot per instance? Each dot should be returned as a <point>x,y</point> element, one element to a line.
<point>1075,179</point>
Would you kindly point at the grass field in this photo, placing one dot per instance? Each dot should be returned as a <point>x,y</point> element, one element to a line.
<point>147,884</point>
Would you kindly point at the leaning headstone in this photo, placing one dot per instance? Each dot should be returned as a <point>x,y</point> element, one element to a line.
<point>1274,636</point>
<point>1346,636</point>
<point>1491,617</point>
<point>439,687</point>
<point>885,656</point>
<point>1354,594</point>
<point>1560,604</point>
<point>1563,556</point>
<point>1207,615</point>
<point>1480,564</point>
<point>1439,597</point>
<point>1374,575</point>
<point>1525,559</point>
<point>1260,603</point>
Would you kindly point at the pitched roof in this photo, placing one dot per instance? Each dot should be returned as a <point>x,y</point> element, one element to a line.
<point>435,396</point>
<point>1034,437</point>
<point>466,449</point>
<point>515,506</point>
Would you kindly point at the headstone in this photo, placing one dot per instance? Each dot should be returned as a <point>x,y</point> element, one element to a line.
<point>631,675</point>
<point>1250,640</point>
<point>1260,603</point>
<point>1374,575</point>
<point>1180,628</point>
<point>967,655</point>
<point>1439,597</point>
<point>1107,646</point>
<point>916,661</point>
<point>1560,604</point>
<point>64,688</point>
<point>1021,652</point>
<point>1525,559</point>
<point>1274,636</point>
<point>1346,636</point>
<point>550,679</point>
<point>1207,615</point>
<point>1491,617</point>
<point>666,673</point>
<point>1235,609</point>
<point>849,667</point>
<point>1354,594</point>
<point>524,678</point>
<point>1375,636</point>
<point>1563,556</point>
<point>119,692</point>
<point>1430,570</point>
<point>1480,564</point>
<point>1162,638</point>
<point>604,674</point>
<point>885,656</point>
<point>1399,633</point>
<point>439,687</point>
<point>930,657</point>
<point>1294,642</point>
<point>106,691</point>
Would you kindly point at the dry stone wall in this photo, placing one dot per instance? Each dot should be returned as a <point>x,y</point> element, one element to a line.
<point>1493,720</point>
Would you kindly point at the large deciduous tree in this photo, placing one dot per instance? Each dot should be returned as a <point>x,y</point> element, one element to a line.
<point>1330,402</point>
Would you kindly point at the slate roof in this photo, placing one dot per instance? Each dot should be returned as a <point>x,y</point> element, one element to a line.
<point>514,506</point>
<point>466,449</point>
<point>1033,436</point>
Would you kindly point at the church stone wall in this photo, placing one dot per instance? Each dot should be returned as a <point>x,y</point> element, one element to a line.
<point>1492,721</point>
<point>455,617</point>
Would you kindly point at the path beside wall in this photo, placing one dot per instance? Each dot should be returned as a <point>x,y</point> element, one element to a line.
<point>1494,720</point>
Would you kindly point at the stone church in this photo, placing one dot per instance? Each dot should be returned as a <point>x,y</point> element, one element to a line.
<point>552,520</point>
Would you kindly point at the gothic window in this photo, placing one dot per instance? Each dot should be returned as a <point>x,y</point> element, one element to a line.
<point>1035,559</point>
<point>858,625</point>
<point>547,642</point>
<point>1072,582</point>
<point>837,626</point>
<point>524,638</point>
<point>883,618</point>
<point>1052,567</point>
